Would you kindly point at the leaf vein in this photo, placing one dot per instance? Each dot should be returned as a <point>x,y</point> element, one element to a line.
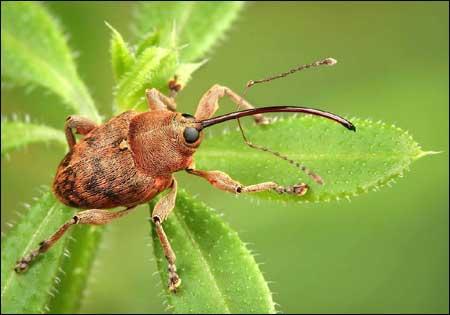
<point>204,261</point>
<point>32,241</point>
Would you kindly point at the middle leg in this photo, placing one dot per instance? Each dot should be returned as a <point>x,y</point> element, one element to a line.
<point>161,211</point>
<point>224,182</point>
<point>158,101</point>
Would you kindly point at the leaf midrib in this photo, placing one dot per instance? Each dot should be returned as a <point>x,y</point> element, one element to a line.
<point>71,88</point>
<point>323,156</point>
<point>203,259</point>
<point>31,242</point>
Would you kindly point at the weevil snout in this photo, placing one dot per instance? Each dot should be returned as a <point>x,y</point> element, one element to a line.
<point>192,132</point>
<point>277,109</point>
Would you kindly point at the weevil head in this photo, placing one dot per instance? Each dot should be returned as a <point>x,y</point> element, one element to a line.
<point>163,142</point>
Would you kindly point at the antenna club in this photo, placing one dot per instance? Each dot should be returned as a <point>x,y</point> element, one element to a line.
<point>250,83</point>
<point>329,61</point>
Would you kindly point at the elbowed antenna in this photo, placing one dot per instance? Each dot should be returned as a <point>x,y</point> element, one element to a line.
<point>277,109</point>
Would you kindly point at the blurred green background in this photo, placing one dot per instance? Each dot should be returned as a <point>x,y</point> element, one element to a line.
<point>382,252</point>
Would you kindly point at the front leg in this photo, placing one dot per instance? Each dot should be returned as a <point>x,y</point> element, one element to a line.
<point>209,103</point>
<point>224,182</point>
<point>161,211</point>
<point>81,125</point>
<point>158,101</point>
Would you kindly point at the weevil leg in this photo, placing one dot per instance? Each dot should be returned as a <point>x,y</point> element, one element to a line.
<point>158,101</point>
<point>166,204</point>
<point>209,103</point>
<point>174,280</point>
<point>160,212</point>
<point>81,125</point>
<point>93,217</point>
<point>224,182</point>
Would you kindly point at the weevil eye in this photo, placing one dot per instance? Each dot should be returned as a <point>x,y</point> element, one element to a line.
<point>190,134</point>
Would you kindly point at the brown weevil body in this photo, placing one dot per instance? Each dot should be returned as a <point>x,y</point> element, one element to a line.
<point>131,158</point>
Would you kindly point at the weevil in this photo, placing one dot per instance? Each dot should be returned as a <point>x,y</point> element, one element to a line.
<point>131,158</point>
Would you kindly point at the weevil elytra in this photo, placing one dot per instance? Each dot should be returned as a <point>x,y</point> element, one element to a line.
<point>130,159</point>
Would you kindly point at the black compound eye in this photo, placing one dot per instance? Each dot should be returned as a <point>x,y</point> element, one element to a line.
<point>187,116</point>
<point>191,134</point>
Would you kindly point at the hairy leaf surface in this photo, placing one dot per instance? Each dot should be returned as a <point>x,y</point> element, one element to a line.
<point>349,163</point>
<point>18,134</point>
<point>121,56</point>
<point>153,69</point>
<point>171,37</point>
<point>219,274</point>
<point>55,281</point>
<point>75,269</point>
<point>30,292</point>
<point>35,51</point>
<point>197,24</point>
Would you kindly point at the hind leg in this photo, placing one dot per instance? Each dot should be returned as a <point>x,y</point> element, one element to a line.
<point>93,216</point>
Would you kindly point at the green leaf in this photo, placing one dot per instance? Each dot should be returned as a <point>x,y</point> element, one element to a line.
<point>154,68</point>
<point>34,51</point>
<point>18,134</point>
<point>158,17</point>
<point>219,275</point>
<point>55,281</point>
<point>82,246</point>
<point>196,24</point>
<point>150,40</point>
<point>30,292</point>
<point>349,163</point>
<point>164,30</point>
<point>121,56</point>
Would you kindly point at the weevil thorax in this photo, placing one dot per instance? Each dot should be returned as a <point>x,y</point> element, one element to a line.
<point>163,142</point>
